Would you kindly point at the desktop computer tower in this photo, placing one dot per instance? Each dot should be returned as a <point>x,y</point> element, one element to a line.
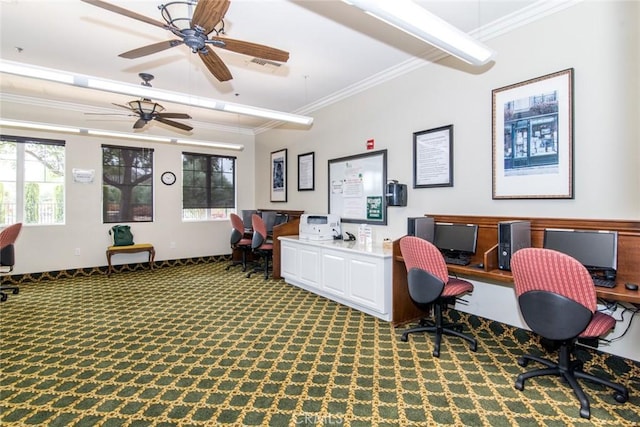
<point>512,235</point>
<point>421,226</point>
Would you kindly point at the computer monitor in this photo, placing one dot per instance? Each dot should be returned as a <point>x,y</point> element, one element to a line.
<point>247,219</point>
<point>596,250</point>
<point>456,239</point>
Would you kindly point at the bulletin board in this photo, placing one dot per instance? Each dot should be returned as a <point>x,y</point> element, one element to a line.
<point>357,188</point>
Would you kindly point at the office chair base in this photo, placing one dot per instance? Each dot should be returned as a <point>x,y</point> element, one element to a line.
<point>3,295</point>
<point>569,371</point>
<point>454,331</point>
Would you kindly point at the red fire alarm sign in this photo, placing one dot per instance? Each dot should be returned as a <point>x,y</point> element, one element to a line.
<point>370,144</point>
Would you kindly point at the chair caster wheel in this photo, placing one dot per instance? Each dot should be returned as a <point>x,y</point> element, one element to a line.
<point>404,338</point>
<point>620,397</point>
<point>474,346</point>
<point>15,291</point>
<point>585,413</point>
<point>519,385</point>
<point>436,353</point>
<point>523,362</point>
<point>3,297</point>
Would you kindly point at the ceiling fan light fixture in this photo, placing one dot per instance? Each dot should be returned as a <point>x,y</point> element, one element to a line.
<point>146,106</point>
<point>416,21</point>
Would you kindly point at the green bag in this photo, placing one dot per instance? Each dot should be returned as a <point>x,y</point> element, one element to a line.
<point>122,235</point>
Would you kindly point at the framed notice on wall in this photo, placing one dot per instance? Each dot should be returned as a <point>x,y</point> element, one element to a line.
<point>357,188</point>
<point>433,158</point>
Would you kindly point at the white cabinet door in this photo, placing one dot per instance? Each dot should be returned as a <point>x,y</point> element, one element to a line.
<point>309,262</point>
<point>366,279</point>
<point>288,261</point>
<point>334,270</point>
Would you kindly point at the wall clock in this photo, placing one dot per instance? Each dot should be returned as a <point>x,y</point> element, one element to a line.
<point>168,178</point>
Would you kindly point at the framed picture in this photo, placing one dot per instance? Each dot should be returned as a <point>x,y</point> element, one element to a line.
<point>306,172</point>
<point>433,157</point>
<point>358,188</point>
<point>533,138</point>
<point>279,176</point>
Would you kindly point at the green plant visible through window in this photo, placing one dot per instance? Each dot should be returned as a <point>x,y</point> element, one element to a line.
<point>32,183</point>
<point>208,186</point>
<point>127,184</point>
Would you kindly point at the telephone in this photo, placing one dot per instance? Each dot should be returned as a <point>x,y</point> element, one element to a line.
<point>350,237</point>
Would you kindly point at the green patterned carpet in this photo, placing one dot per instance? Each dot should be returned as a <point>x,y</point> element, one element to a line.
<point>196,345</point>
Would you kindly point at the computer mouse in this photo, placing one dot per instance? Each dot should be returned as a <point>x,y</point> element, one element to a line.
<point>631,286</point>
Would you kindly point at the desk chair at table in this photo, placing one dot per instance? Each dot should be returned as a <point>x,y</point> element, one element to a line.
<point>557,299</point>
<point>238,241</point>
<point>8,237</point>
<point>261,246</point>
<point>429,284</point>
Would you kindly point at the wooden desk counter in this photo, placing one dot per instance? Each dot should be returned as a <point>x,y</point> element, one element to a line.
<point>487,251</point>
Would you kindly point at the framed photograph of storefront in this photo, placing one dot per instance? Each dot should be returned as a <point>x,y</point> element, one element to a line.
<point>532,136</point>
<point>279,176</point>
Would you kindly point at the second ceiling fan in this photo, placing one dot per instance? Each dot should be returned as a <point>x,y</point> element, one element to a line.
<point>195,31</point>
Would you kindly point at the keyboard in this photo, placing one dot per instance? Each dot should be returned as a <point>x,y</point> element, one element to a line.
<point>457,260</point>
<point>604,283</point>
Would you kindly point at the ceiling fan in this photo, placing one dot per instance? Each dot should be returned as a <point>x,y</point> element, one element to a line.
<point>194,31</point>
<point>147,110</point>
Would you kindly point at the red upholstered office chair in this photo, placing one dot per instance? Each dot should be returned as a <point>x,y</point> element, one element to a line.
<point>430,284</point>
<point>557,299</point>
<point>238,241</point>
<point>260,245</point>
<point>8,238</point>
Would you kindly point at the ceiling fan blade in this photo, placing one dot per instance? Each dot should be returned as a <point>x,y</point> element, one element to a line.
<point>208,13</point>
<point>152,48</point>
<point>252,49</point>
<point>215,65</point>
<point>125,12</point>
<point>174,124</point>
<point>139,124</point>
<point>121,106</point>
<point>174,115</point>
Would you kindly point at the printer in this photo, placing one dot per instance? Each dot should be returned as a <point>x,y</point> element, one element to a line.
<point>319,227</point>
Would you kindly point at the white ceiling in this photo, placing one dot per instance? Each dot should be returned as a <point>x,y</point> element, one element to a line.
<point>334,50</point>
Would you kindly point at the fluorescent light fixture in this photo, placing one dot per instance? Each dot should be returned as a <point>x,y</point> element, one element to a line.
<point>147,92</point>
<point>123,135</point>
<point>420,23</point>
<point>38,126</point>
<point>267,114</point>
<point>36,72</point>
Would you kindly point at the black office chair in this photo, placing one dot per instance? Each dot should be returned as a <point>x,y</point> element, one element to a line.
<point>261,246</point>
<point>247,215</point>
<point>238,241</point>
<point>430,285</point>
<point>269,218</point>
<point>8,238</point>
<point>557,299</point>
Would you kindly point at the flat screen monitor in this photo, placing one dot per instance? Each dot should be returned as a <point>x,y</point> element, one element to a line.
<point>596,250</point>
<point>456,238</point>
<point>247,218</point>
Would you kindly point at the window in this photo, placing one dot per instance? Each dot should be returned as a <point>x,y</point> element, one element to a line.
<point>208,186</point>
<point>127,184</point>
<point>31,180</point>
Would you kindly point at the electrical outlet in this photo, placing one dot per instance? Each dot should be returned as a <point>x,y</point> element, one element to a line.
<point>77,252</point>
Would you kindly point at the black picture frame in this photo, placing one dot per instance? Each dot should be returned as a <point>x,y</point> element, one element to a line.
<point>278,180</point>
<point>433,157</point>
<point>306,171</point>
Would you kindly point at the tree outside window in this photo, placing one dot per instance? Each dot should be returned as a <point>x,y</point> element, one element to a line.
<point>208,186</point>
<point>127,184</point>
<point>32,180</point>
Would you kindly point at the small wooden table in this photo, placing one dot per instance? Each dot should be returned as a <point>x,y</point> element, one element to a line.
<point>139,247</point>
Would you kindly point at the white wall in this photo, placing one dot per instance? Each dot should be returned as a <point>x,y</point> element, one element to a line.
<point>599,40</point>
<point>52,247</point>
